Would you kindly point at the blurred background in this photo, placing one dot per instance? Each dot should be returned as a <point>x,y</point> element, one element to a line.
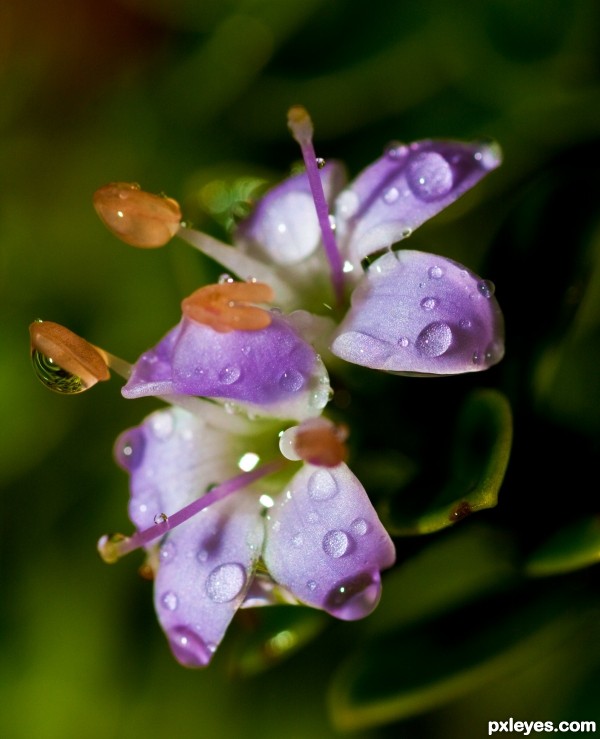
<point>491,617</point>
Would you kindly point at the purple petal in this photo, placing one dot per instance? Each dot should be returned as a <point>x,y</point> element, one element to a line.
<point>325,543</point>
<point>172,458</point>
<point>206,566</point>
<point>272,370</point>
<point>414,312</point>
<point>406,187</point>
<point>283,228</point>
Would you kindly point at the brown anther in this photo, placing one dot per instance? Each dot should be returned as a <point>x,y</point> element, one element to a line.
<point>320,442</point>
<point>68,351</point>
<point>228,306</point>
<point>300,123</point>
<point>136,217</point>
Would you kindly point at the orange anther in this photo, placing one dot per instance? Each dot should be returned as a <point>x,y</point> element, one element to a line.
<point>138,218</point>
<point>228,306</point>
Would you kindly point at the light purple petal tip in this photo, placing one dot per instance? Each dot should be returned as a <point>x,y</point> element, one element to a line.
<point>206,566</point>
<point>406,187</point>
<point>415,312</point>
<point>325,543</point>
<point>283,228</point>
<point>272,368</point>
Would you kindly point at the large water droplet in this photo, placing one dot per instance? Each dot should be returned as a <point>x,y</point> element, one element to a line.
<point>355,597</point>
<point>291,381</point>
<point>130,448</point>
<point>486,288</point>
<point>428,303</point>
<point>359,526</point>
<point>322,485</point>
<point>169,600</point>
<point>336,543</point>
<point>189,649</point>
<point>347,203</point>
<point>54,377</point>
<point>229,375</point>
<point>434,339</point>
<point>429,176</point>
<point>226,582</point>
<point>391,195</point>
<point>435,273</point>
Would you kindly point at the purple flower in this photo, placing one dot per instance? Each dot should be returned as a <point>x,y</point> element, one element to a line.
<point>319,538</point>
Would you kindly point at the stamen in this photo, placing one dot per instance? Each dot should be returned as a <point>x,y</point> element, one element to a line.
<point>63,361</point>
<point>301,127</point>
<point>136,217</point>
<point>317,441</point>
<point>113,547</point>
<point>227,306</point>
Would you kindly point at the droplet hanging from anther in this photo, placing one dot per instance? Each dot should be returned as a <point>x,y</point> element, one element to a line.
<point>63,361</point>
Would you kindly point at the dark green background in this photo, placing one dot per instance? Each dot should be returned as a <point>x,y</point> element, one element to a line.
<point>173,94</point>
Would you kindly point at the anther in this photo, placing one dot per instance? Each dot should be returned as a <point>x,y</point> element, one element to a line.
<point>63,361</point>
<point>320,442</point>
<point>136,217</point>
<point>229,306</point>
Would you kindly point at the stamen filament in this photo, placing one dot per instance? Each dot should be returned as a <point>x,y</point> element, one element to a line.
<point>111,548</point>
<point>301,127</point>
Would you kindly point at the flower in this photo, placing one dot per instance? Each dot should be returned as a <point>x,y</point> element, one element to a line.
<point>237,371</point>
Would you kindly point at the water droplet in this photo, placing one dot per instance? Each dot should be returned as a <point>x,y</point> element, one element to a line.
<point>347,203</point>
<point>465,323</point>
<point>246,350</point>
<point>406,232</point>
<point>332,223</point>
<point>403,342</point>
<point>486,288</point>
<point>435,273</point>
<point>202,555</point>
<point>476,357</point>
<point>169,600</point>
<point>130,448</point>
<point>320,162</point>
<point>355,597</point>
<point>291,381</point>
<point>319,398</point>
<point>54,377</point>
<point>225,278</point>
<point>434,339</point>
<point>189,649</point>
<point>248,461</point>
<point>226,582</point>
<point>322,485</point>
<point>359,526</point>
<point>428,303</point>
<point>162,424</point>
<point>229,375</point>
<point>161,518</point>
<point>395,150</point>
<point>266,501</point>
<point>335,543</point>
<point>168,551</point>
<point>429,176</point>
<point>311,585</point>
<point>391,195</point>
<point>297,541</point>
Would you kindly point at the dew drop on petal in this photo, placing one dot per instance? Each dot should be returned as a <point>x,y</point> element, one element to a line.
<point>336,543</point>
<point>486,288</point>
<point>355,597</point>
<point>168,552</point>
<point>291,381</point>
<point>226,582</point>
<point>391,195</point>
<point>229,375</point>
<point>428,303</point>
<point>359,526</point>
<point>162,425</point>
<point>311,585</point>
<point>465,323</point>
<point>476,357</point>
<point>130,449</point>
<point>403,342</point>
<point>434,339</point>
<point>202,555</point>
<point>347,203</point>
<point>429,176</point>
<point>395,150</point>
<point>435,273</point>
<point>169,600</point>
<point>297,540</point>
<point>322,485</point>
<point>189,649</point>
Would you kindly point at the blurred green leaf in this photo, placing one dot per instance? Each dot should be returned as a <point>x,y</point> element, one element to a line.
<point>571,548</point>
<point>410,672</point>
<point>481,449</point>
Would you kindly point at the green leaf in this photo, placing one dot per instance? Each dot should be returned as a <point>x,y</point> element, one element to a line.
<point>411,672</point>
<point>269,635</point>
<point>574,547</point>
<point>481,449</point>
